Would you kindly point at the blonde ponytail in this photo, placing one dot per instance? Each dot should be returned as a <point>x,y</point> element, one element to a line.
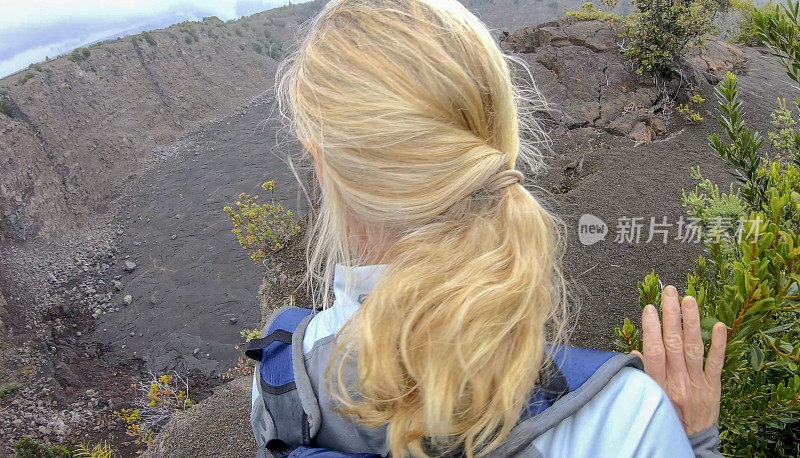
<point>412,112</point>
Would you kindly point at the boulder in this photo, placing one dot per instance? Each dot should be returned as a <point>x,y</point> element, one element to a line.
<point>219,426</point>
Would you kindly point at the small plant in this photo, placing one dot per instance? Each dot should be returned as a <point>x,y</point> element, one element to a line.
<point>24,78</point>
<point>779,29</point>
<point>262,229</point>
<point>588,12</point>
<point>158,397</point>
<point>239,32</point>
<point>79,54</point>
<point>742,149</point>
<point>250,334</point>
<point>275,51</point>
<point>786,136</point>
<point>687,112</point>
<point>31,448</point>
<point>101,450</point>
<point>191,34</point>
<point>146,36</point>
<point>8,390</point>
<point>257,47</point>
<point>6,109</point>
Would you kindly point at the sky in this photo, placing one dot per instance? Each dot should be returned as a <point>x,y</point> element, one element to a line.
<point>33,29</point>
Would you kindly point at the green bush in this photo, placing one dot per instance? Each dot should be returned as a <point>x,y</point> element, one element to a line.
<point>148,38</point>
<point>661,31</point>
<point>79,54</point>
<point>275,51</point>
<point>588,12</point>
<point>779,29</point>
<point>32,448</point>
<point>9,389</point>
<point>6,109</point>
<point>191,34</point>
<point>748,280</point>
<point>745,30</point>
<point>262,229</point>
<point>24,78</point>
<point>786,136</point>
<point>257,48</point>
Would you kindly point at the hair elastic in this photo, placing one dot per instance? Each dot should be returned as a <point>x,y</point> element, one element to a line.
<point>505,178</point>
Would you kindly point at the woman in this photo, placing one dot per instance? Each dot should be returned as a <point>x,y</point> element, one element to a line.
<point>444,267</point>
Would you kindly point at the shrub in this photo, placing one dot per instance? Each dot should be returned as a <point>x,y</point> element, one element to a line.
<point>588,12</point>
<point>6,108</point>
<point>8,390</point>
<point>158,397</point>
<point>24,78</point>
<point>687,112</point>
<point>744,32</point>
<point>661,31</point>
<point>749,281</point>
<point>79,54</point>
<point>187,28</point>
<point>275,51</point>
<point>257,48</point>
<point>267,227</point>
<point>101,450</point>
<point>786,136</point>
<point>32,448</point>
<point>239,32</point>
<point>779,29</point>
<point>148,38</point>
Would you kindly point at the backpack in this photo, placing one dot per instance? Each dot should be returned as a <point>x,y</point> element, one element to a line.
<point>285,415</point>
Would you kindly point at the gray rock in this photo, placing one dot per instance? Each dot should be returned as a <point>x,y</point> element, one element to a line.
<point>117,285</point>
<point>128,299</point>
<point>130,266</point>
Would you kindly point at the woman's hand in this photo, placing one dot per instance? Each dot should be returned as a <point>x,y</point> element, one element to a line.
<point>675,360</point>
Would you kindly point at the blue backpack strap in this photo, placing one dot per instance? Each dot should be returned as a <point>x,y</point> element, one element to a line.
<point>282,415</point>
<point>274,351</point>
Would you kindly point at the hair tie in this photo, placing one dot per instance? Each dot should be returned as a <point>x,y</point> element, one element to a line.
<point>505,178</point>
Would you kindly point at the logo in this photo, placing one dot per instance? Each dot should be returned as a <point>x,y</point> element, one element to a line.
<point>591,229</point>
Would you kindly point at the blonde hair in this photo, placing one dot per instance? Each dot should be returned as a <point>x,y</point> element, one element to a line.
<point>411,110</point>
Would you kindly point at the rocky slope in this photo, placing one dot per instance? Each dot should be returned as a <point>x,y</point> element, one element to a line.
<point>76,128</point>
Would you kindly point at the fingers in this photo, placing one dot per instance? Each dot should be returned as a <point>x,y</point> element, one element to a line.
<point>653,346</point>
<point>692,339</point>
<point>716,353</point>
<point>673,331</point>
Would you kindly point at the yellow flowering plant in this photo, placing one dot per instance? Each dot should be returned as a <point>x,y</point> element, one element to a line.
<point>261,228</point>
